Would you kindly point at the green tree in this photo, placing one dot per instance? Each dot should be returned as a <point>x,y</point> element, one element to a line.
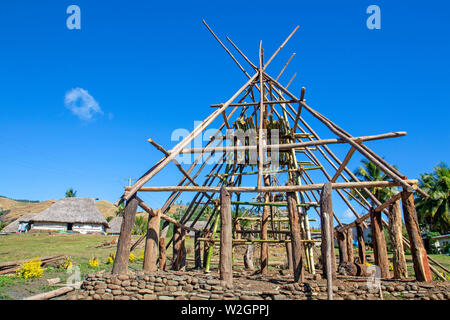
<point>70,193</point>
<point>140,225</point>
<point>368,171</point>
<point>120,210</point>
<point>433,212</point>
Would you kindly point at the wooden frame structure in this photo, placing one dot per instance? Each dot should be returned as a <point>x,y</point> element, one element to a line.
<point>262,103</point>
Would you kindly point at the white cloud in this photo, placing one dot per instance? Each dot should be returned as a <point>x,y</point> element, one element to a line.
<point>82,104</point>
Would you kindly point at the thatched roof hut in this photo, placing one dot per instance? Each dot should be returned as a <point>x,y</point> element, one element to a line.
<point>114,226</point>
<point>14,226</point>
<point>77,214</point>
<point>199,225</point>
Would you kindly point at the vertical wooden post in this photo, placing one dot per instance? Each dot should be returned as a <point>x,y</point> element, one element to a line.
<point>237,227</point>
<point>123,246</point>
<point>226,237</point>
<point>379,244</point>
<point>296,238</point>
<point>326,209</point>
<point>152,242</point>
<point>264,228</point>
<point>351,257</point>
<point>248,255</point>
<point>162,254</point>
<point>361,243</point>
<point>396,237</point>
<point>342,244</point>
<point>179,250</point>
<point>197,251</point>
<point>290,263</point>
<point>419,255</point>
<point>328,251</point>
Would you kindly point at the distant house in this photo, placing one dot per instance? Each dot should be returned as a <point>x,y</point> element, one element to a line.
<point>21,224</point>
<point>441,241</point>
<point>199,225</point>
<point>71,214</point>
<point>114,226</point>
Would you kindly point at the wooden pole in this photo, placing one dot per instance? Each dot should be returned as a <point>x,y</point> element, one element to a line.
<point>296,238</point>
<point>328,252</point>
<point>197,251</point>
<point>419,255</point>
<point>350,254</point>
<point>120,265</point>
<point>361,243</point>
<point>342,244</point>
<point>264,268</point>
<point>152,242</point>
<point>327,247</point>
<point>162,254</point>
<point>395,235</point>
<point>226,237</point>
<point>179,251</point>
<point>379,244</point>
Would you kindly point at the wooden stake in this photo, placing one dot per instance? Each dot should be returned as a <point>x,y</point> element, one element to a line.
<point>197,251</point>
<point>179,250</point>
<point>418,252</point>
<point>152,242</point>
<point>123,246</point>
<point>395,235</point>
<point>379,244</point>
<point>349,236</point>
<point>327,247</point>
<point>296,238</point>
<point>328,251</point>
<point>162,254</point>
<point>226,237</point>
<point>342,244</point>
<point>361,243</point>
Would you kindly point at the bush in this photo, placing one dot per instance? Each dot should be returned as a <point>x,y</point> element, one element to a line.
<point>30,269</point>
<point>111,257</point>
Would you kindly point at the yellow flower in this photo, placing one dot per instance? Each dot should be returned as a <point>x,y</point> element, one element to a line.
<point>30,269</point>
<point>93,263</point>
<point>132,257</point>
<point>111,257</point>
<point>67,263</point>
<point>367,264</point>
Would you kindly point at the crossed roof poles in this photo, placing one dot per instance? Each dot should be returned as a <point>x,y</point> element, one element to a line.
<point>258,102</point>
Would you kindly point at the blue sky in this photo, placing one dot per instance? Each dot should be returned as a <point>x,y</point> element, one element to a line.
<point>152,67</point>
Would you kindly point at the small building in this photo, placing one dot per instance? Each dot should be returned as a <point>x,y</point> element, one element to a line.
<point>199,225</point>
<point>71,214</point>
<point>21,224</point>
<point>439,242</point>
<point>114,226</point>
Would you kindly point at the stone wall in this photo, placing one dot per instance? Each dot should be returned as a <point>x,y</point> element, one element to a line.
<point>198,286</point>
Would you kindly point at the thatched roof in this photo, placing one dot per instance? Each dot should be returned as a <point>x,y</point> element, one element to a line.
<point>114,225</point>
<point>72,210</point>
<point>14,226</point>
<point>199,225</point>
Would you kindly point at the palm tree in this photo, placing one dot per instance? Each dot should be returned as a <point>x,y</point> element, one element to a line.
<point>370,172</point>
<point>434,212</point>
<point>140,225</point>
<point>120,210</point>
<point>70,193</point>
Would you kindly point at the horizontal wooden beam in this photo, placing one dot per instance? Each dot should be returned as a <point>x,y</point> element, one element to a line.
<point>290,146</point>
<point>307,187</point>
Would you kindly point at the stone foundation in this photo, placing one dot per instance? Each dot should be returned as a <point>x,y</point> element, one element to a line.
<point>199,286</point>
